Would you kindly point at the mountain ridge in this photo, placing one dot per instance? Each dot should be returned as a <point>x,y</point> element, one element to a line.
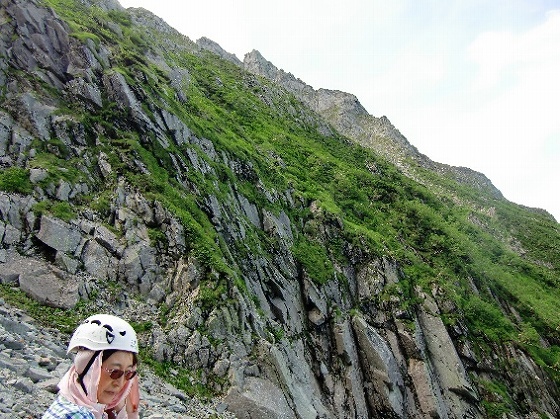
<point>377,129</point>
<point>345,112</point>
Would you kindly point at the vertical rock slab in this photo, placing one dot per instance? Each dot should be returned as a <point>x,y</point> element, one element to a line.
<point>259,399</point>
<point>353,381</point>
<point>459,397</point>
<point>381,369</point>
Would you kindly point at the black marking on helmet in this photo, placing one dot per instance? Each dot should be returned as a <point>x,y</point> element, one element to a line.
<point>97,322</point>
<point>110,337</point>
<point>108,327</point>
<point>122,333</point>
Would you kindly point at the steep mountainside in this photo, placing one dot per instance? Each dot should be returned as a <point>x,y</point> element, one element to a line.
<point>272,243</point>
<point>347,115</point>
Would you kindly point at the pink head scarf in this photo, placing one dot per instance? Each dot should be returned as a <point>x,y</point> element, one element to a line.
<point>71,389</point>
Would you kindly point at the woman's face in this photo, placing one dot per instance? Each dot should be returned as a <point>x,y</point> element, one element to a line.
<point>108,388</point>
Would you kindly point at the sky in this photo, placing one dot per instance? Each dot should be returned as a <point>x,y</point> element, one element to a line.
<point>473,83</point>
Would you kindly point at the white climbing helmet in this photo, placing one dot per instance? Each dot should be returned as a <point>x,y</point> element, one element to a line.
<point>104,331</point>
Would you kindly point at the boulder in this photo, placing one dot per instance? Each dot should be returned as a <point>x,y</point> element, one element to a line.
<point>97,261</point>
<point>41,281</point>
<point>59,235</point>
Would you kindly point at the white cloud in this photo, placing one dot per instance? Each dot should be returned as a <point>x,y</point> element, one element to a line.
<point>535,51</point>
<point>526,68</point>
<point>504,123</point>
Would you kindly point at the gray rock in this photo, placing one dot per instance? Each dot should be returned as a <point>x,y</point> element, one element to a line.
<point>108,240</point>
<point>316,362</point>
<point>63,191</point>
<point>280,226</point>
<point>50,385</point>
<point>250,210</point>
<point>381,369</point>
<point>452,376</point>
<point>27,390</point>
<point>212,46</point>
<point>66,262</point>
<point>24,384</point>
<point>13,326</point>
<point>180,132</point>
<point>37,175</point>
<point>97,261</point>
<point>38,114</point>
<point>50,288</point>
<point>104,165</point>
<point>11,235</point>
<point>59,235</point>
<point>259,399</point>
<point>41,281</point>
<point>13,364</point>
<point>3,259</point>
<point>119,91</point>
<point>6,124</point>
<point>37,374</point>
<point>89,92</point>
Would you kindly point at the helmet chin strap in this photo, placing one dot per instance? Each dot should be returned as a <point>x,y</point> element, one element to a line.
<point>86,369</point>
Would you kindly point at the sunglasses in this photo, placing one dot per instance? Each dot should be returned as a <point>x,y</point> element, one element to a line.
<point>116,374</point>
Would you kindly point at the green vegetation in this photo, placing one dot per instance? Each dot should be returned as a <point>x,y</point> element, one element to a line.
<point>314,259</point>
<point>497,402</point>
<point>487,319</point>
<point>180,377</point>
<point>15,179</point>
<point>276,146</point>
<point>276,333</point>
<point>157,237</point>
<point>63,320</point>
<point>63,210</point>
<point>211,295</point>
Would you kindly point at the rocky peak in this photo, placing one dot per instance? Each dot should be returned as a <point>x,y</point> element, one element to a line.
<point>214,47</point>
<point>106,5</point>
<point>144,18</point>
<point>255,63</point>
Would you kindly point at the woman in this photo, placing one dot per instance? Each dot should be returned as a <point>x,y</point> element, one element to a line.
<point>102,383</point>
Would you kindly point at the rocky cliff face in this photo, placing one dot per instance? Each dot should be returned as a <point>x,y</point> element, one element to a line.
<point>275,342</point>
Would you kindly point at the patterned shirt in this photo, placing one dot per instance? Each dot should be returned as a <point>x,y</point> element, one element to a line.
<point>63,409</point>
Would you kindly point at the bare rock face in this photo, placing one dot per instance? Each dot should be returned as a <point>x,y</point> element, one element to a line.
<point>210,45</point>
<point>454,387</point>
<point>259,399</point>
<point>42,43</point>
<point>381,369</point>
<point>41,281</point>
<point>59,235</point>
